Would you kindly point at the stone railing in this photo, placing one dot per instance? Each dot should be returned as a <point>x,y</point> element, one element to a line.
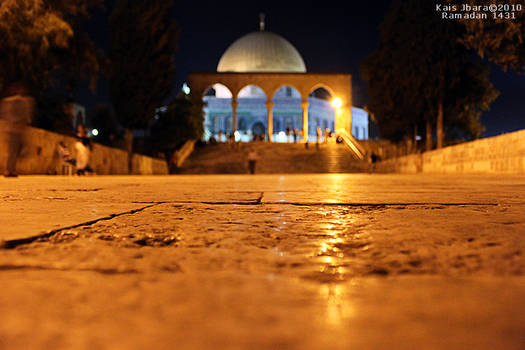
<point>352,144</point>
<point>39,155</point>
<point>185,151</point>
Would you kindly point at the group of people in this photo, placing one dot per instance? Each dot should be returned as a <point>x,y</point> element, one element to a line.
<point>16,113</point>
<point>327,134</point>
<point>294,132</point>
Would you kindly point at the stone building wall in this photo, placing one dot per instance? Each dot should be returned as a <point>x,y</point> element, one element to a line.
<point>39,155</point>
<point>504,154</point>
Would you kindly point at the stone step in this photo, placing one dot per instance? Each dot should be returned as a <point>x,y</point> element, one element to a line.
<point>273,158</point>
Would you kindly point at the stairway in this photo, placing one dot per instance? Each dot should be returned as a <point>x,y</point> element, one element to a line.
<point>274,158</point>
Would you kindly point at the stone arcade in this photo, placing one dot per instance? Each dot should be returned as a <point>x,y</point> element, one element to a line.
<point>261,87</point>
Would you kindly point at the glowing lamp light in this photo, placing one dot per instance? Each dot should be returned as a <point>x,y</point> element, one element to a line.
<point>186,89</point>
<point>94,132</point>
<point>337,103</point>
<point>237,135</point>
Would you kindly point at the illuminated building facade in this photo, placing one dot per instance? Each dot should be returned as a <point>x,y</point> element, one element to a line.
<point>261,90</point>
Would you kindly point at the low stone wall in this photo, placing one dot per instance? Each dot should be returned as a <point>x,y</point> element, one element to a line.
<point>410,164</point>
<point>39,155</point>
<point>504,154</point>
<point>385,149</point>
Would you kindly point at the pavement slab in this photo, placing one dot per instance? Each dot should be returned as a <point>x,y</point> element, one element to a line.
<point>263,262</point>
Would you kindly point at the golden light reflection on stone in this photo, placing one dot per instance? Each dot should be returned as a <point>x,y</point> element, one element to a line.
<point>339,306</point>
<point>334,229</point>
<point>336,187</point>
<point>327,260</point>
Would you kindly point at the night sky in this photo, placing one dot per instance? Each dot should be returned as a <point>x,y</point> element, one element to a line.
<point>330,36</point>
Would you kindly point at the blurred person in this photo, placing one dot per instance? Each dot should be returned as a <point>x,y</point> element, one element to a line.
<point>64,154</point>
<point>16,113</point>
<point>67,161</point>
<point>83,151</point>
<point>252,160</point>
<point>318,130</point>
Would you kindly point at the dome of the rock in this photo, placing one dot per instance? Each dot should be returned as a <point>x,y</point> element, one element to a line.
<point>261,51</point>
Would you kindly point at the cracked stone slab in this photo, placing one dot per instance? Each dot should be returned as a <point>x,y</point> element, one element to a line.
<point>215,262</point>
<point>36,216</point>
<point>34,205</point>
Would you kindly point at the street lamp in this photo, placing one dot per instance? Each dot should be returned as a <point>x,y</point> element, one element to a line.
<point>186,89</point>
<point>337,103</point>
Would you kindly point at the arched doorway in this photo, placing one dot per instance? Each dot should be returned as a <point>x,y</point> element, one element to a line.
<point>287,114</point>
<point>258,131</point>
<point>321,114</point>
<point>251,114</point>
<point>217,113</point>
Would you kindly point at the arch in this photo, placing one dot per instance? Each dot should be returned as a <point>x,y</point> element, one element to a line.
<point>225,91</point>
<point>251,91</point>
<point>217,112</point>
<point>275,90</point>
<point>322,86</point>
<point>321,113</point>
<point>258,130</point>
<point>251,108</point>
<point>287,114</point>
<point>322,94</point>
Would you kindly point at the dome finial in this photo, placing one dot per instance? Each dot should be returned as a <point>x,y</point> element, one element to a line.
<point>261,21</point>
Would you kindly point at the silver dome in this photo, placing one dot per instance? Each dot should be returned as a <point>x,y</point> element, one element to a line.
<point>261,52</point>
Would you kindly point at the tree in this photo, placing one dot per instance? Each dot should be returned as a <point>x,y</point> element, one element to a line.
<point>49,112</point>
<point>501,40</point>
<point>420,74</point>
<point>103,119</point>
<point>29,31</point>
<point>182,121</point>
<point>41,42</point>
<point>142,46</point>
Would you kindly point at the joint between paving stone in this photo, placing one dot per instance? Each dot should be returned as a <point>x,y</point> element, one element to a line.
<point>11,244</point>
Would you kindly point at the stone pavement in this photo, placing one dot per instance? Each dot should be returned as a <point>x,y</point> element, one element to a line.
<point>263,262</point>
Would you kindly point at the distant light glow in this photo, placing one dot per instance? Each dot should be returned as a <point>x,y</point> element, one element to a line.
<point>94,132</point>
<point>280,137</point>
<point>186,89</point>
<point>237,135</point>
<point>337,103</point>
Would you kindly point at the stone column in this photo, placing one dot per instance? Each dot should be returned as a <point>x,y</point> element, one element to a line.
<point>304,106</point>
<point>234,114</point>
<point>269,107</point>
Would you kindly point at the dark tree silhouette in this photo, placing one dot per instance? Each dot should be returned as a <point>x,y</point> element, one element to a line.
<point>420,75</point>
<point>103,119</point>
<point>42,44</point>
<point>142,46</point>
<point>501,40</point>
<point>182,121</point>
